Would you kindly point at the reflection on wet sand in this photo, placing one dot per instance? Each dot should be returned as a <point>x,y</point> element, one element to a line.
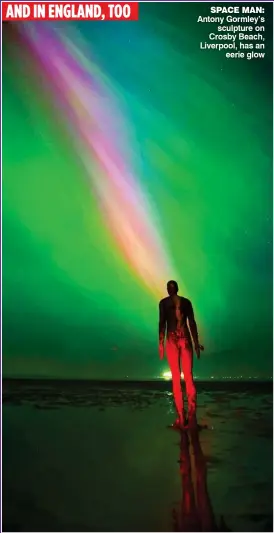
<point>58,437</point>
<point>196,512</point>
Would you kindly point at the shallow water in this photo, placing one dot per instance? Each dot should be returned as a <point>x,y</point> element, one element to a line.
<point>99,457</point>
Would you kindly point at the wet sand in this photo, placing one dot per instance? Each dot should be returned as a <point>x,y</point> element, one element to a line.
<point>87,456</point>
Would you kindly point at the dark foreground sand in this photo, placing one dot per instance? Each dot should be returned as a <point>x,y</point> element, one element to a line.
<point>99,457</point>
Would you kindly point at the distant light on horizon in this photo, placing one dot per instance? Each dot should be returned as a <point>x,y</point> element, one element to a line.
<point>167,375</point>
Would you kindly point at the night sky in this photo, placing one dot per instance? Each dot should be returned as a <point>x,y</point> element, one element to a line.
<point>131,157</point>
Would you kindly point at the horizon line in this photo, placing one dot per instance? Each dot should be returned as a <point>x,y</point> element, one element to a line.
<point>128,380</point>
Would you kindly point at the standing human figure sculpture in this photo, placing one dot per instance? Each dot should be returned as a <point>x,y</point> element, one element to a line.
<point>175,315</point>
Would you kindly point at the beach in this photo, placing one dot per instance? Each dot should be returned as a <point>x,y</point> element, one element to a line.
<point>100,456</point>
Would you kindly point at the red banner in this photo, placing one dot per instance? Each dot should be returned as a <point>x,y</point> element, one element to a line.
<point>23,11</point>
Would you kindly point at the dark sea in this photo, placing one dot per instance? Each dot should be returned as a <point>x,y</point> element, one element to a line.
<point>100,456</point>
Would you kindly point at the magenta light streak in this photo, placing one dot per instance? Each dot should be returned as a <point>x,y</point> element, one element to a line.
<point>95,124</point>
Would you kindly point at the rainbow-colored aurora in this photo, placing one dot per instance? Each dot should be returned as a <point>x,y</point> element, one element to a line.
<point>142,160</point>
<point>102,141</point>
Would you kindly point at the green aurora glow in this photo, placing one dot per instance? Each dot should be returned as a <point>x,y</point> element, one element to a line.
<point>201,126</point>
